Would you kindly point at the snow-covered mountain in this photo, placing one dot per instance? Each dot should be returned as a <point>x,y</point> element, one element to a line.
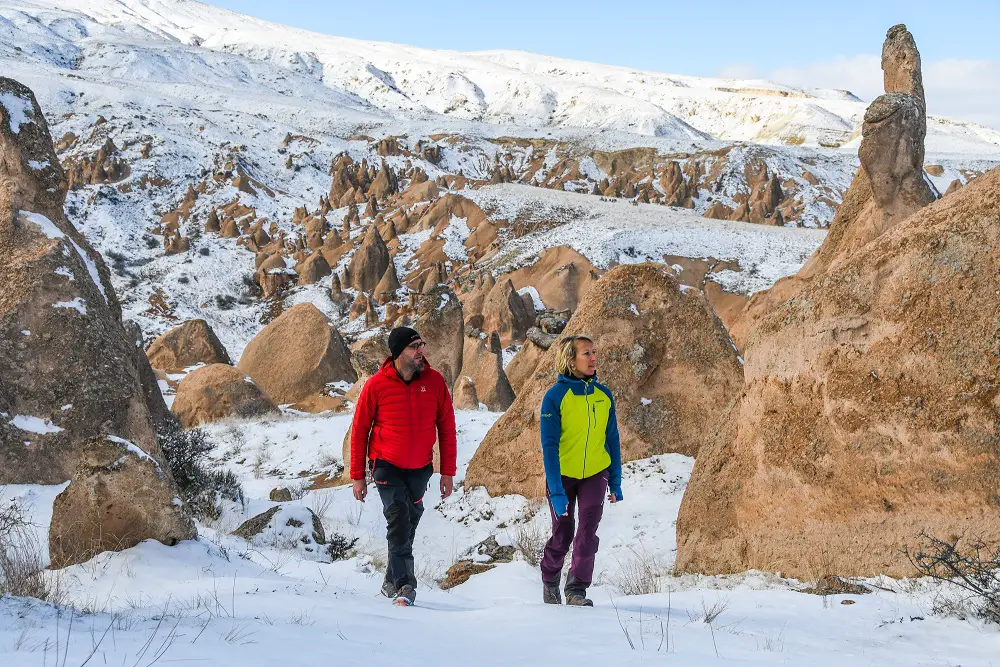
<point>188,43</point>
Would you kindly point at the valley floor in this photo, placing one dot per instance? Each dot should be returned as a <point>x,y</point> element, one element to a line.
<point>224,601</point>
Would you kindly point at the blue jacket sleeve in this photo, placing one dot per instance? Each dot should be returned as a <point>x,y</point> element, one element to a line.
<point>551,431</point>
<point>613,443</point>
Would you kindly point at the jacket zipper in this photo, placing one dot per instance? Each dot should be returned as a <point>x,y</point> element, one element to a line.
<point>586,444</point>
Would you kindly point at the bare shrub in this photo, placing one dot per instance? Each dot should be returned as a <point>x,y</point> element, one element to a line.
<point>971,566</point>
<point>709,613</point>
<point>639,573</point>
<point>529,541</point>
<point>771,643</point>
<point>320,503</point>
<point>340,547</point>
<point>21,570</point>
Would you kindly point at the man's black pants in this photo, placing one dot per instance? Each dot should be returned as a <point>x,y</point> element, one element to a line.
<point>402,493</point>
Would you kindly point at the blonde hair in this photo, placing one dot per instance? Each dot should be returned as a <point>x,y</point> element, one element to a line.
<point>567,352</point>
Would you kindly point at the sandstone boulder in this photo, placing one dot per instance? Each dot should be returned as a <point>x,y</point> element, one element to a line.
<point>69,372</point>
<point>663,353</point>
<point>465,394</point>
<point>367,356</point>
<point>313,269</point>
<point>187,345</point>
<point>505,313</point>
<point>216,392</point>
<point>869,397</point>
<point>524,363</point>
<point>442,326</point>
<point>482,362</point>
<point>890,185</point>
<point>292,527</point>
<point>297,355</point>
<point>118,496</point>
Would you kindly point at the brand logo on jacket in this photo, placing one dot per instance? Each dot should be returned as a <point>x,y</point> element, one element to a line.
<point>423,389</point>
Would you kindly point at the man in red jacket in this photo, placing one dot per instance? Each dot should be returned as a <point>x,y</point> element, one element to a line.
<point>403,409</point>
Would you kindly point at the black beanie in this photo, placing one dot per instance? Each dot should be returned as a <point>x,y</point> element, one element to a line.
<point>399,338</point>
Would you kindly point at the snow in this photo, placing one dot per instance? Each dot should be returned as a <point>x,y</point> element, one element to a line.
<point>455,235</point>
<point>79,304</point>
<point>45,225</point>
<point>25,332</point>
<point>645,401</point>
<point>91,269</point>
<point>18,110</point>
<point>536,298</point>
<point>609,233</point>
<point>133,449</point>
<point>35,425</point>
<point>204,86</point>
<point>225,600</point>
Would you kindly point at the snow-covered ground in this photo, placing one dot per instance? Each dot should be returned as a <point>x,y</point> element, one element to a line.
<point>226,601</point>
<point>612,232</point>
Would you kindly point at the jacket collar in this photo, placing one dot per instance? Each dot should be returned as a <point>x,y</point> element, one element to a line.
<point>576,384</point>
<point>389,369</point>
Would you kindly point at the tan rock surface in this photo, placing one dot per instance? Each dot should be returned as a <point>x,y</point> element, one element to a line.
<point>187,345</point>
<point>297,355</point>
<point>465,394</point>
<point>217,392</point>
<point>369,262</point>
<point>69,372</point>
<point>867,409</point>
<point>482,363</point>
<point>505,313</point>
<point>117,497</point>
<point>441,324</point>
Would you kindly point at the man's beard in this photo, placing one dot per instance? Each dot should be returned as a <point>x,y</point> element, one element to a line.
<point>416,366</point>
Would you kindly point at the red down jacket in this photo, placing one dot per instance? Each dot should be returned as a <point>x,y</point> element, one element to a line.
<point>399,423</point>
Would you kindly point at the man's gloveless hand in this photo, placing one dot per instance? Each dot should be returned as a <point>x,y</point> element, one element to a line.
<point>447,486</point>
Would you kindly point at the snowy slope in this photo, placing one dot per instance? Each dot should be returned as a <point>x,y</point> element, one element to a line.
<point>504,87</point>
<point>613,232</point>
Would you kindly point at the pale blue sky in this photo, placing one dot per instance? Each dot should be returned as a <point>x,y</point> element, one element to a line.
<point>805,43</point>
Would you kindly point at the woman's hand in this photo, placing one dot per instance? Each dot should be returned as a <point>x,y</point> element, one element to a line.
<point>615,496</point>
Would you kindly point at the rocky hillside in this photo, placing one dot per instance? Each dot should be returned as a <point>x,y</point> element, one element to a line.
<point>226,175</point>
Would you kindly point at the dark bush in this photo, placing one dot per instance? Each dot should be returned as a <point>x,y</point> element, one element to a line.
<point>204,251</point>
<point>340,546</point>
<point>201,486</point>
<point>225,301</point>
<point>971,565</point>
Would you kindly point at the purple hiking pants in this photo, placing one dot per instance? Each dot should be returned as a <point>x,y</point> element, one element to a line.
<point>589,494</point>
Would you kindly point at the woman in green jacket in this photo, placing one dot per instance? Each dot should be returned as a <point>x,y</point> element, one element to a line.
<point>583,462</point>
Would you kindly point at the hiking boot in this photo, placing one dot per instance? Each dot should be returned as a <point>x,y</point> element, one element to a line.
<point>576,593</point>
<point>550,593</point>
<point>406,595</point>
<point>389,589</point>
